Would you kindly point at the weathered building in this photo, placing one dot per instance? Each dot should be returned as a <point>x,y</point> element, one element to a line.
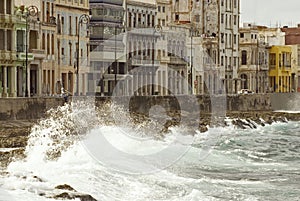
<point>292,37</point>
<point>253,67</point>
<point>9,66</point>
<point>69,28</point>
<point>107,60</point>
<point>142,36</point>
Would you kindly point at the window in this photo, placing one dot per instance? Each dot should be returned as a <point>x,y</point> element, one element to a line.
<point>158,8</point>
<point>52,44</point>
<point>48,44</point>
<point>222,18</point>
<point>273,59</point>
<point>2,40</point>
<point>234,39</point>
<point>32,39</point>
<point>70,54</point>
<point>43,42</point>
<point>242,35</point>
<point>2,7</point>
<point>62,24</point>
<point>62,51</point>
<point>43,8</point>
<point>9,40</point>
<point>20,41</point>
<point>222,2</point>
<point>48,12</point>
<point>8,6</point>
<point>163,9</point>
<point>234,20</point>
<point>76,25</point>
<point>70,25</point>
<point>244,57</point>
<point>176,17</point>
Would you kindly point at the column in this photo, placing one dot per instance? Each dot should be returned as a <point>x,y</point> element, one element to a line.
<point>84,81</point>
<point>50,82</point>
<point>46,81</point>
<point>39,80</point>
<point>132,17</point>
<point>67,82</point>
<point>14,81</point>
<point>4,6</point>
<point>4,81</point>
<point>28,79</point>
<point>5,31</point>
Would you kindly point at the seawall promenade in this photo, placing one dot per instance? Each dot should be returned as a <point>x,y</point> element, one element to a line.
<point>35,108</point>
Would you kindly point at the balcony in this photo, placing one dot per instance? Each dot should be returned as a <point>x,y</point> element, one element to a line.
<point>39,54</point>
<point>143,61</point>
<point>22,56</point>
<point>177,60</point>
<point>7,56</point>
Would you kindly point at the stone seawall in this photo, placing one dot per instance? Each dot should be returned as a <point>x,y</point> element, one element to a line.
<point>35,108</point>
<point>203,103</point>
<point>26,108</point>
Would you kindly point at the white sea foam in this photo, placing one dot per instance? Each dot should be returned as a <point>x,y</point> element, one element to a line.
<point>50,163</point>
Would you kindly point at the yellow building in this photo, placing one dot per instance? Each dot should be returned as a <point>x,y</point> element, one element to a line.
<point>280,71</point>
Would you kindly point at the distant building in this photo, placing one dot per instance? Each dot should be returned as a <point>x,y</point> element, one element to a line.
<point>107,60</point>
<point>10,67</point>
<point>292,37</point>
<point>68,15</point>
<point>280,70</point>
<point>253,68</point>
<point>47,52</point>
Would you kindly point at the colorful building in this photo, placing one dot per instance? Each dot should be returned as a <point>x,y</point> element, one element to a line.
<point>280,69</point>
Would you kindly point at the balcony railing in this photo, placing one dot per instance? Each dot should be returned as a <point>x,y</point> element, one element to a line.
<point>140,61</point>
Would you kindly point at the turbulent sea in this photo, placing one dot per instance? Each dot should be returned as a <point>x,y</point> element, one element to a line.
<point>250,164</point>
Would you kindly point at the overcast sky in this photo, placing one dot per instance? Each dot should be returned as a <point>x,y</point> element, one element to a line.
<point>271,12</point>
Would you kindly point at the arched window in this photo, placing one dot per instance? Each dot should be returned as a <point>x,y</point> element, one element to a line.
<point>244,57</point>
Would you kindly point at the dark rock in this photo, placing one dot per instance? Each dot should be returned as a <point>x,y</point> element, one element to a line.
<point>85,197</point>
<point>72,196</point>
<point>65,187</point>
<point>203,128</point>
<point>38,179</point>
<point>64,196</point>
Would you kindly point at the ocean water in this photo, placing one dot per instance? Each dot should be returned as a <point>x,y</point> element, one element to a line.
<point>221,164</point>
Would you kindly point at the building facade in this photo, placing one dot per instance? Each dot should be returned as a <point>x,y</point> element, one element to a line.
<point>107,59</point>
<point>69,27</point>
<point>280,69</point>
<point>253,67</point>
<point>8,52</point>
<point>292,37</point>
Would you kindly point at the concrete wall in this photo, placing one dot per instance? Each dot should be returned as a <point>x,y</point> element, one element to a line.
<point>34,108</point>
<point>286,101</point>
<point>26,108</point>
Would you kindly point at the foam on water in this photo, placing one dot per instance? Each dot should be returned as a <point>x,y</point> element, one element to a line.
<point>218,164</point>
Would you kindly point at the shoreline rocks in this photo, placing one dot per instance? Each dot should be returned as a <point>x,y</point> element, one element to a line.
<point>14,134</point>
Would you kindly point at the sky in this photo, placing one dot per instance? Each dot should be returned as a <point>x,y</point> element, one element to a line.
<point>272,13</point>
